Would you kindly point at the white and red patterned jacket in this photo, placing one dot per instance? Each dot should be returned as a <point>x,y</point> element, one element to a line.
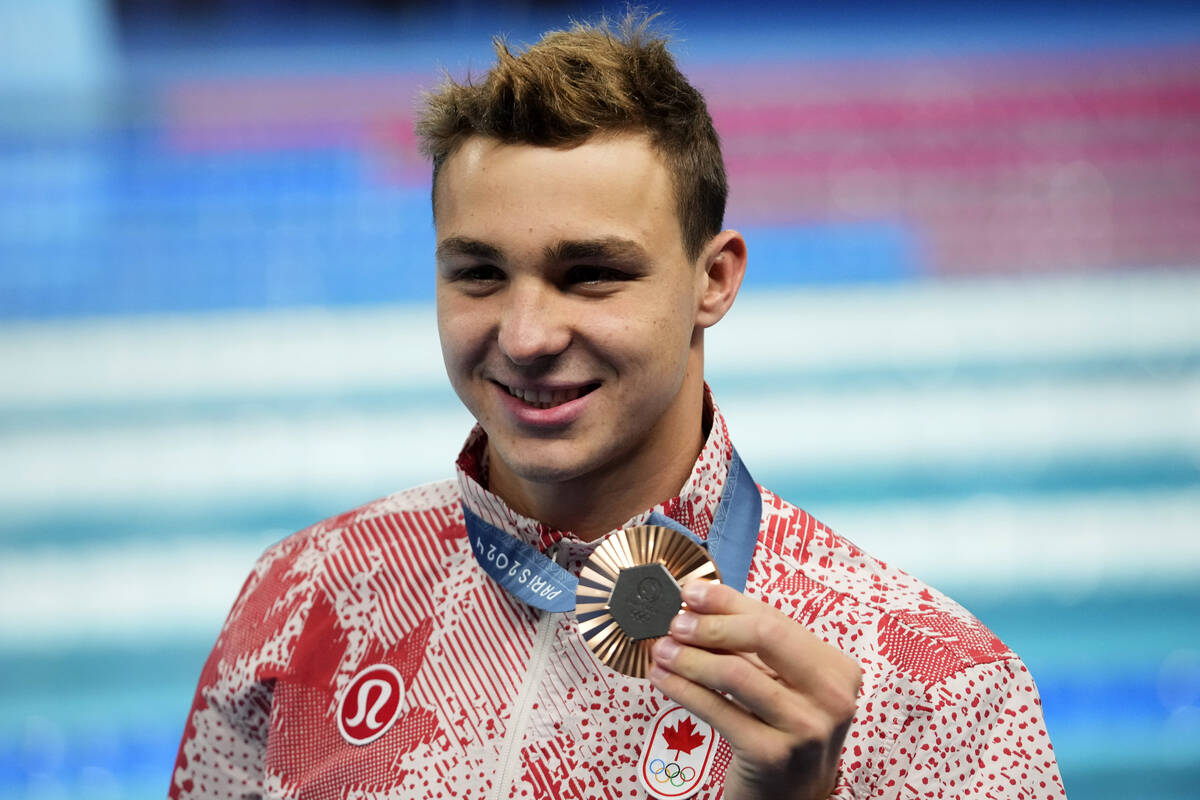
<point>501,700</point>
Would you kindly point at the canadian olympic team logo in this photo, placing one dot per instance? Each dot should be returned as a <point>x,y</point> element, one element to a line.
<point>371,704</point>
<point>677,755</point>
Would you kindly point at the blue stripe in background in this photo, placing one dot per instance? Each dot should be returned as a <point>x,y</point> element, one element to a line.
<point>190,237</point>
<point>846,252</point>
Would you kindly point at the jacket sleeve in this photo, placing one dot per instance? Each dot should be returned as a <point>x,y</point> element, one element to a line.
<point>223,746</point>
<point>225,735</point>
<point>980,734</point>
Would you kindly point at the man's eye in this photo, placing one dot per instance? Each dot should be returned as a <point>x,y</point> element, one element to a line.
<point>591,275</point>
<point>483,273</point>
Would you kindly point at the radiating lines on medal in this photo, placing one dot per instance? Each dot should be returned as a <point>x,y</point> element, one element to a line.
<point>629,590</point>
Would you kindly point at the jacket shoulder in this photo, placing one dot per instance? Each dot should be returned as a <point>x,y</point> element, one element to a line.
<point>281,586</point>
<point>438,497</point>
<point>891,621</point>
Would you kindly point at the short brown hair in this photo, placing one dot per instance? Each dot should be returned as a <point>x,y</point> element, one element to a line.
<point>588,80</point>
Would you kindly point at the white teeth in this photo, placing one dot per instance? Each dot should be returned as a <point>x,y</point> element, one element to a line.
<point>545,398</point>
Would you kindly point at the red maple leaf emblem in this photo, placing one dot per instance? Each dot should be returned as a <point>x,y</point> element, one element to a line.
<point>683,737</point>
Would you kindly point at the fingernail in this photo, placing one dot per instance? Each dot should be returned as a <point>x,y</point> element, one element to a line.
<point>657,673</point>
<point>684,624</point>
<point>694,592</point>
<point>665,649</point>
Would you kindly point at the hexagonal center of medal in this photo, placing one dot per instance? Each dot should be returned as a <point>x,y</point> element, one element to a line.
<point>644,601</point>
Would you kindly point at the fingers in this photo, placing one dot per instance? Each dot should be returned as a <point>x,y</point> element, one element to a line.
<point>708,597</point>
<point>739,726</point>
<point>722,619</point>
<point>702,676</point>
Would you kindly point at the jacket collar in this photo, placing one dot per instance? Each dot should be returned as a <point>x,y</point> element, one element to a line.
<point>694,506</point>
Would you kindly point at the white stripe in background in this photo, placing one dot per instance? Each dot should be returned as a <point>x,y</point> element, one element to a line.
<point>948,323</point>
<point>120,594</point>
<point>352,457</point>
<point>131,593</point>
<point>321,352</point>
<point>1068,545</point>
<point>219,355</point>
<point>361,455</point>
<point>1024,425</point>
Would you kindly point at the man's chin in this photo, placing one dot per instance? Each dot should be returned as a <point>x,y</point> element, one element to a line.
<point>544,472</point>
<point>545,463</point>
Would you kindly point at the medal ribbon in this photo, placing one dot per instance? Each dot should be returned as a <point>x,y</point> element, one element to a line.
<point>535,579</point>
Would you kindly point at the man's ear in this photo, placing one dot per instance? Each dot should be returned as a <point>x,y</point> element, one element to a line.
<point>724,265</point>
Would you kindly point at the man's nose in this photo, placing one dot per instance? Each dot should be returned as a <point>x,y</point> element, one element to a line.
<point>533,324</point>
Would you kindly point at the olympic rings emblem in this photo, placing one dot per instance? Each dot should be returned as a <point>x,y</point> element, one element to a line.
<point>671,772</point>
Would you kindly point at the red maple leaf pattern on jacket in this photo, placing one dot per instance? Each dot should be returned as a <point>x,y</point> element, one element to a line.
<point>683,737</point>
<point>342,764</point>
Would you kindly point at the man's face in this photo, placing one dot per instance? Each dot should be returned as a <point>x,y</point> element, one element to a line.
<point>567,306</point>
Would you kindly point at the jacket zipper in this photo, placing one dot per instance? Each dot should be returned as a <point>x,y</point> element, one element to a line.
<point>533,678</point>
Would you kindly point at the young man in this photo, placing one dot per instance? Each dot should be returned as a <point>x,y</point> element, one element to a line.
<point>394,652</point>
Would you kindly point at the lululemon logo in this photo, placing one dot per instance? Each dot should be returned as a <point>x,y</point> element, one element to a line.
<point>371,704</point>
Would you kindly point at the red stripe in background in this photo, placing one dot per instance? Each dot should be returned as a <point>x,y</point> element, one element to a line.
<point>1010,108</point>
<point>950,147</point>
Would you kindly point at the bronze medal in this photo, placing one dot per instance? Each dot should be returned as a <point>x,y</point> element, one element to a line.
<point>629,592</point>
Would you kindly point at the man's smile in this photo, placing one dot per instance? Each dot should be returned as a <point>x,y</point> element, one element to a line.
<point>545,396</point>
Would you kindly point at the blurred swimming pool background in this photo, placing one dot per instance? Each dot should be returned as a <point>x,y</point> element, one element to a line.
<point>970,338</point>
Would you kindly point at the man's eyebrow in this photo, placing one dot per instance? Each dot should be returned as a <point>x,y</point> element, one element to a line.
<point>608,248</point>
<point>462,246</point>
